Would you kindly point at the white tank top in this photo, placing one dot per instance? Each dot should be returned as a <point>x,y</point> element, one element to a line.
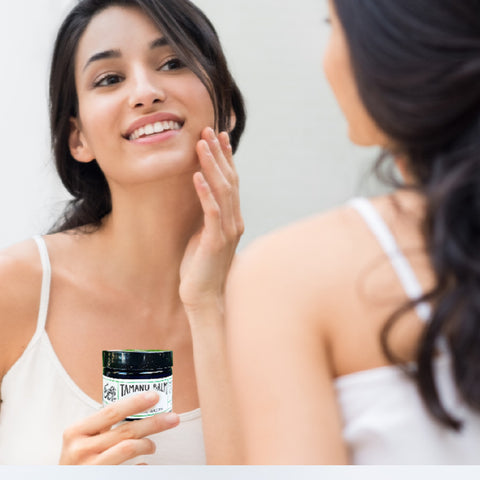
<point>384,418</point>
<point>40,400</point>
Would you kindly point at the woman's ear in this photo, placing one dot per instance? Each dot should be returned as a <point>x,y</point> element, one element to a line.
<point>233,121</point>
<point>77,143</point>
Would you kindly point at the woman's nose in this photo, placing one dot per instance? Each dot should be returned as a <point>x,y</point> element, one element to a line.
<point>146,90</point>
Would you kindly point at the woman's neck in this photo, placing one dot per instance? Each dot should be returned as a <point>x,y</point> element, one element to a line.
<point>145,236</point>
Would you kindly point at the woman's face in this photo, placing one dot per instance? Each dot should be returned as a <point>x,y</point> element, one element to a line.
<point>140,111</point>
<point>338,69</point>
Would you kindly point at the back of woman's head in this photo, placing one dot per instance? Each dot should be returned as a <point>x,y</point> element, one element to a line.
<point>194,40</point>
<point>417,67</point>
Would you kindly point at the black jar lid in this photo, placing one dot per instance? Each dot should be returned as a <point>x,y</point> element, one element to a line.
<point>137,360</point>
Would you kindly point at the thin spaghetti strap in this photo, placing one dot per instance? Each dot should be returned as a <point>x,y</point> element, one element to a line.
<point>46,279</point>
<point>400,264</point>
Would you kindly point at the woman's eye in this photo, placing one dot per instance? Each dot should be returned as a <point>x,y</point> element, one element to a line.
<point>172,64</point>
<point>107,80</point>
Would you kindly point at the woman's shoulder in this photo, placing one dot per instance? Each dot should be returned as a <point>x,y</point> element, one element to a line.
<point>315,261</point>
<point>323,239</point>
<point>20,266</point>
<point>21,280</point>
<point>330,271</point>
<point>333,236</point>
<point>305,266</point>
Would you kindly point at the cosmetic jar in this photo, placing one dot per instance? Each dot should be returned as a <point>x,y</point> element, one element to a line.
<point>127,372</point>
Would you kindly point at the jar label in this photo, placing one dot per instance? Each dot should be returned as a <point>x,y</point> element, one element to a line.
<point>115,389</point>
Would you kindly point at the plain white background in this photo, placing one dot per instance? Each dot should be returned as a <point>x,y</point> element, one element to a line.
<point>294,160</point>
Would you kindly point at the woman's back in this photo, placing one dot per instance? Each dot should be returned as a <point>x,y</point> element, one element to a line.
<point>328,289</point>
<point>384,420</point>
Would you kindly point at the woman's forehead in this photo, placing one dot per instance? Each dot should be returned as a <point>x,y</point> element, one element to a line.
<point>117,28</point>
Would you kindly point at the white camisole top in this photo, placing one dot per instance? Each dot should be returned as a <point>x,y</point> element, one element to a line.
<point>384,418</point>
<point>40,400</point>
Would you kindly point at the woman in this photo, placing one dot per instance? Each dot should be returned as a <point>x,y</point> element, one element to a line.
<point>139,91</point>
<point>361,324</point>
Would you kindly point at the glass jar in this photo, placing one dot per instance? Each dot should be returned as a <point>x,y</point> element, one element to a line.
<point>126,372</point>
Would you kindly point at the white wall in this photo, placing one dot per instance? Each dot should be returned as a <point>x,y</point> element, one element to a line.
<point>294,159</point>
<point>29,190</point>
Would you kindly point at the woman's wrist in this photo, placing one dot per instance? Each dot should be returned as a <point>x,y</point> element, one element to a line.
<point>209,311</point>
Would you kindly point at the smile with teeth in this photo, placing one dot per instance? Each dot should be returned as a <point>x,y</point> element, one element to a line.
<point>153,128</point>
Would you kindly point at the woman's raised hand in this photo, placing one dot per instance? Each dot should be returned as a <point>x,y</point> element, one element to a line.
<point>209,253</point>
<point>98,441</point>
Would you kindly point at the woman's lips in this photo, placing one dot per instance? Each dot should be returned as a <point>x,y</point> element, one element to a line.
<point>155,137</point>
<point>153,124</point>
<point>154,128</point>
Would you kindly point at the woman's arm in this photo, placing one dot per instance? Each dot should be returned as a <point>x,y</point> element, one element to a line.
<point>204,273</point>
<point>20,280</point>
<point>219,415</point>
<point>278,304</point>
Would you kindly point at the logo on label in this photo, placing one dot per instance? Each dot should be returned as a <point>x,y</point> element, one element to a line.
<point>109,393</point>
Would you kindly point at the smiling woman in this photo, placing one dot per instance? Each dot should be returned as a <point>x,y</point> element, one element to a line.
<point>265,62</point>
<point>202,69</point>
<point>142,109</point>
<point>131,87</point>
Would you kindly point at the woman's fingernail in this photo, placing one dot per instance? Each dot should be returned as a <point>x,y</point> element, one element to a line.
<point>171,418</point>
<point>150,396</point>
<point>211,134</point>
<point>226,139</point>
<point>201,179</point>
<point>206,148</point>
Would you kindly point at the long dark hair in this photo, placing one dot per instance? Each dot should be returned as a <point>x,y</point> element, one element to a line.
<point>417,68</point>
<point>194,40</point>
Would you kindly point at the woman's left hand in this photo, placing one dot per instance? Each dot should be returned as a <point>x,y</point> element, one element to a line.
<point>209,253</point>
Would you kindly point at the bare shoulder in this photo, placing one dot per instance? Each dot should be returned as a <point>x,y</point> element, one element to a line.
<point>21,278</point>
<point>328,270</point>
<point>328,277</point>
<point>20,274</point>
<point>295,276</point>
<point>330,249</point>
<point>320,247</point>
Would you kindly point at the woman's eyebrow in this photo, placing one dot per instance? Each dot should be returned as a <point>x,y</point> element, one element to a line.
<point>159,42</point>
<point>103,55</point>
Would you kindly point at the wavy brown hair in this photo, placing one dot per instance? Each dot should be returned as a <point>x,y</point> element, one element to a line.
<point>417,68</point>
